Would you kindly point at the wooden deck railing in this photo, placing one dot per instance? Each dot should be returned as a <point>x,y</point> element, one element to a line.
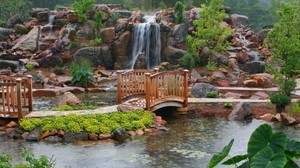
<point>131,83</point>
<point>154,86</point>
<point>16,96</point>
<point>166,86</point>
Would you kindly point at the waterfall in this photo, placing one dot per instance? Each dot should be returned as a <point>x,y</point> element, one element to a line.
<point>50,22</point>
<point>146,42</point>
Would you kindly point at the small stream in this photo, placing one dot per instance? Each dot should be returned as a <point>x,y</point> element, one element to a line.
<point>189,143</point>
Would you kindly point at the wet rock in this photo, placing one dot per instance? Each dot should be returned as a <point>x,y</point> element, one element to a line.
<point>121,50</point>
<point>172,54</point>
<point>123,13</point>
<point>250,83</point>
<point>120,135</point>
<point>93,137</point>
<point>286,119</point>
<point>13,20</point>
<point>72,137</point>
<point>267,117</point>
<point>33,136</point>
<point>241,112</point>
<point>70,99</point>
<point>254,67</point>
<point>107,34</point>
<point>21,29</point>
<point>139,132</point>
<point>239,20</point>
<point>199,90</point>
<point>105,136</point>
<point>35,11</point>
<point>53,139</point>
<point>28,42</point>
<point>98,56</point>
<point>13,65</point>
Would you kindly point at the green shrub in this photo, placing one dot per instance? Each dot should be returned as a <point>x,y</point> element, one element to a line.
<point>81,72</point>
<point>113,17</point>
<point>228,105</point>
<point>211,94</point>
<point>74,44</point>
<point>296,107</point>
<point>97,41</point>
<point>29,66</point>
<point>211,66</point>
<point>280,100</point>
<point>81,8</point>
<point>189,60</point>
<point>179,12</point>
<point>265,149</point>
<point>96,123</point>
<point>71,108</point>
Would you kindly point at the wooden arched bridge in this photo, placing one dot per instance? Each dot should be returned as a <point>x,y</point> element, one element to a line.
<point>153,90</point>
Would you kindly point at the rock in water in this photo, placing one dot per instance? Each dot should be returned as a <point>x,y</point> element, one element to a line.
<point>120,135</point>
<point>241,112</point>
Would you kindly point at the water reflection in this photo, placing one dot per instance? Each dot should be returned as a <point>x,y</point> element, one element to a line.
<point>189,143</point>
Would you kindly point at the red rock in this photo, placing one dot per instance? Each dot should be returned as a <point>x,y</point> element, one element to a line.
<point>72,18</point>
<point>93,137</point>
<point>132,133</point>
<point>265,51</point>
<point>107,34</point>
<point>25,135</point>
<point>148,130</point>
<point>286,119</point>
<point>45,134</point>
<point>263,79</point>
<point>139,132</point>
<point>277,117</point>
<point>267,117</point>
<point>61,133</point>
<point>232,95</point>
<point>11,124</point>
<point>53,132</point>
<point>8,130</point>
<point>250,83</point>
<point>242,57</point>
<point>45,92</point>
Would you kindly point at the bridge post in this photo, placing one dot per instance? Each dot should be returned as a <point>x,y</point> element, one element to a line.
<point>19,98</point>
<point>29,86</point>
<point>147,90</point>
<point>119,89</point>
<point>185,87</point>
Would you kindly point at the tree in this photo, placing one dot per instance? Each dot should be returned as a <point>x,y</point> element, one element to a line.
<point>10,7</point>
<point>81,7</point>
<point>208,31</point>
<point>284,40</point>
<point>179,12</point>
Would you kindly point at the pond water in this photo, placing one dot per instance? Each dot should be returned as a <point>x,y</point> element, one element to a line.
<point>189,143</point>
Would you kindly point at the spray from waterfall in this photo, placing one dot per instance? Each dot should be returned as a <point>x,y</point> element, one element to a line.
<point>146,42</point>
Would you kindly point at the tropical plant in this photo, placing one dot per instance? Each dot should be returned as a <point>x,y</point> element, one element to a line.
<point>31,162</point>
<point>98,23</point>
<point>266,149</point>
<point>81,7</point>
<point>82,72</point>
<point>284,40</point>
<point>281,101</point>
<point>211,65</point>
<point>179,12</point>
<point>211,94</point>
<point>228,104</point>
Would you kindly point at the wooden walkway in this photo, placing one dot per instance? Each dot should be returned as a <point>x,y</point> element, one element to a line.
<point>153,90</point>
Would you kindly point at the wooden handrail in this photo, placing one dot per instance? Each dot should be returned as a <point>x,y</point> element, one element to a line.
<point>16,96</point>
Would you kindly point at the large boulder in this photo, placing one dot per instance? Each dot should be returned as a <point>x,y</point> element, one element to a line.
<point>121,50</point>
<point>107,34</point>
<point>70,99</point>
<point>67,35</point>
<point>172,54</point>
<point>179,34</point>
<point>72,137</point>
<point>123,13</point>
<point>28,42</point>
<point>35,11</point>
<point>239,20</point>
<point>21,29</point>
<point>4,33</point>
<point>15,19</point>
<point>241,112</point>
<point>42,16</point>
<point>13,65</point>
<point>96,55</point>
<point>50,61</point>
<point>120,135</point>
<point>264,80</point>
<point>199,90</point>
<point>254,67</point>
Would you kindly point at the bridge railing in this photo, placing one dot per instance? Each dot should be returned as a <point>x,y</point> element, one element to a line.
<point>131,83</point>
<point>16,96</point>
<point>168,85</point>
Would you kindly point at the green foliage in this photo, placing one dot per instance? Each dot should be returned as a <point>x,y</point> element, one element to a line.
<point>74,44</point>
<point>189,60</point>
<point>96,123</point>
<point>280,99</point>
<point>284,40</point>
<point>81,72</point>
<point>266,149</point>
<point>217,158</point>
<point>81,8</point>
<point>211,94</point>
<point>228,105</point>
<point>209,32</point>
<point>71,108</point>
<point>31,162</point>
<point>179,12</point>
<point>113,17</point>
<point>98,24</point>
<point>296,107</point>
<point>10,7</point>
<point>29,66</point>
<point>211,65</point>
<point>97,41</point>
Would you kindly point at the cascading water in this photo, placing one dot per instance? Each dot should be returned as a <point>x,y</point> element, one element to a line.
<point>146,42</point>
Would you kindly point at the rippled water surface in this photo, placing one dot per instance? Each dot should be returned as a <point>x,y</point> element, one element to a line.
<point>188,143</point>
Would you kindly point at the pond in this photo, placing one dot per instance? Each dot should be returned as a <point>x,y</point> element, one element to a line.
<point>188,143</point>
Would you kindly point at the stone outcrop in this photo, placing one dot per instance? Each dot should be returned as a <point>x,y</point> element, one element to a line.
<point>172,54</point>
<point>199,90</point>
<point>28,42</point>
<point>239,20</point>
<point>70,99</point>
<point>241,112</point>
<point>121,50</point>
<point>98,56</point>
